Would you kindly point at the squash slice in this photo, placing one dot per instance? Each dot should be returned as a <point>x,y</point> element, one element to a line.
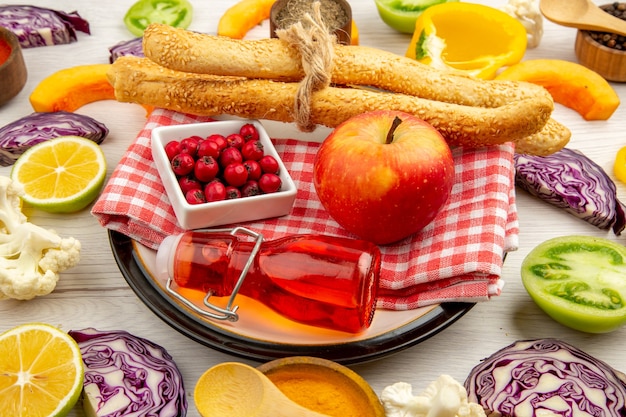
<point>570,84</point>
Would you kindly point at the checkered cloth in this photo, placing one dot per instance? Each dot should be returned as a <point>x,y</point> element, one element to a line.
<point>458,257</point>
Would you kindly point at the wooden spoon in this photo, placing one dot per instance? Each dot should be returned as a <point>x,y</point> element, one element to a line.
<point>581,14</point>
<point>236,389</point>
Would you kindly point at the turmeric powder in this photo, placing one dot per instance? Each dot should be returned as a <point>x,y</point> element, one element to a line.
<point>323,390</point>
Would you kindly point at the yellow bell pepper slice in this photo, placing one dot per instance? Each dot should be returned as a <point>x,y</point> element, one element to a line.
<point>244,15</point>
<point>473,38</point>
<point>619,166</point>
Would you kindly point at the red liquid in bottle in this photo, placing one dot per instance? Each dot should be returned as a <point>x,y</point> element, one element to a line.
<point>318,280</point>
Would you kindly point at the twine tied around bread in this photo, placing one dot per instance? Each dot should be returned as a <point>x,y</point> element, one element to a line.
<point>316,44</point>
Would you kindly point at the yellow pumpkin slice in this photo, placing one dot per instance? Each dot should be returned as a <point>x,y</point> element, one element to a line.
<point>240,18</point>
<point>570,84</point>
<point>71,88</point>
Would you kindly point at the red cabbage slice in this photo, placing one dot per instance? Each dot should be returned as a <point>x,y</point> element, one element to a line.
<point>23,133</point>
<point>39,26</point>
<point>546,377</point>
<point>130,376</point>
<point>133,47</point>
<point>570,180</point>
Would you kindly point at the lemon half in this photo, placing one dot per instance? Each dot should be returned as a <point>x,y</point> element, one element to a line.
<point>41,371</point>
<point>61,175</point>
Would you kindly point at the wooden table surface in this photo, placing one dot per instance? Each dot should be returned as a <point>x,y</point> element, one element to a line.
<point>95,294</point>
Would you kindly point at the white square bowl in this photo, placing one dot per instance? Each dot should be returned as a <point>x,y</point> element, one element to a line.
<point>216,213</point>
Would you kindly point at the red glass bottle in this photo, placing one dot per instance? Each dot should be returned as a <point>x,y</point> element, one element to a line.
<point>319,280</point>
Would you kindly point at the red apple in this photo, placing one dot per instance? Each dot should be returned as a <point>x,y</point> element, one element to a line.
<point>384,175</point>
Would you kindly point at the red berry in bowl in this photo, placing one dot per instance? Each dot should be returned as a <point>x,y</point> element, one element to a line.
<point>215,191</point>
<point>206,168</point>
<point>229,156</point>
<point>249,132</point>
<point>232,192</point>
<point>235,174</point>
<point>187,183</point>
<point>190,145</point>
<point>208,148</point>
<point>269,164</point>
<point>254,169</point>
<point>270,183</point>
<point>250,188</point>
<point>172,149</point>
<point>195,196</point>
<point>219,139</point>
<point>182,164</point>
<point>235,140</point>
<point>252,149</point>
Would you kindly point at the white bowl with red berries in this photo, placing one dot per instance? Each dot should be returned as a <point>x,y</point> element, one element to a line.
<point>221,172</point>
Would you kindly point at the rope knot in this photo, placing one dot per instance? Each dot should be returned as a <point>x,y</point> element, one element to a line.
<point>315,43</point>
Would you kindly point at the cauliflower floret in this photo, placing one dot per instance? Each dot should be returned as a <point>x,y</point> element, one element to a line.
<point>63,257</point>
<point>31,257</point>
<point>10,206</point>
<point>528,13</point>
<point>444,397</point>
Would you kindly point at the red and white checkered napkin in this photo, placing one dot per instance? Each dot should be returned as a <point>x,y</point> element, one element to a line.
<point>458,257</point>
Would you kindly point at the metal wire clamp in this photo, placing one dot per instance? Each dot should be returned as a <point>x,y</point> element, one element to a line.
<point>230,311</point>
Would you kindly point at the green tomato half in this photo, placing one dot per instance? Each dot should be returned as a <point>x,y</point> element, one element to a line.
<point>579,281</point>
<point>176,13</point>
<point>402,14</point>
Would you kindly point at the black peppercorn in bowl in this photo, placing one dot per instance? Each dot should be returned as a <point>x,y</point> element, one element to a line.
<point>604,52</point>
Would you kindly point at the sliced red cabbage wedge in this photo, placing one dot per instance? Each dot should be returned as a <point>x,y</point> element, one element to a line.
<point>39,26</point>
<point>23,133</point>
<point>129,376</point>
<point>546,377</point>
<point>570,180</point>
<point>133,47</point>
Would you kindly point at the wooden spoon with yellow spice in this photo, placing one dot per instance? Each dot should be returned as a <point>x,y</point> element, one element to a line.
<point>236,389</point>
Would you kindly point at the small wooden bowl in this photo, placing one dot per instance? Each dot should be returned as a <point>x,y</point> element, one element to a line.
<point>13,72</point>
<point>343,33</point>
<point>608,62</point>
<point>315,383</point>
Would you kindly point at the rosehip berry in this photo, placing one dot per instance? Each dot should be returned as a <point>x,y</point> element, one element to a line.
<point>269,164</point>
<point>252,149</point>
<point>270,183</point>
<point>195,196</point>
<point>235,174</point>
<point>250,188</point>
<point>182,164</point>
<point>232,193</point>
<point>215,191</point>
<point>235,140</point>
<point>172,149</point>
<point>208,148</point>
<point>206,168</point>
<point>190,145</point>
<point>254,169</point>
<point>188,182</point>
<point>230,156</point>
<point>249,132</point>
<point>219,139</point>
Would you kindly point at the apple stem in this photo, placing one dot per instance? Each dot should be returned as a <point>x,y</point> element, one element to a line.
<point>394,125</point>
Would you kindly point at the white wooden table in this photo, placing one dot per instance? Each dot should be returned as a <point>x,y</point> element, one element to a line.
<point>95,294</point>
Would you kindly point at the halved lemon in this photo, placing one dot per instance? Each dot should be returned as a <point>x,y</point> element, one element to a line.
<point>41,371</point>
<point>62,175</point>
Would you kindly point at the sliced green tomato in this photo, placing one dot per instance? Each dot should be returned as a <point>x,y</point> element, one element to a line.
<point>579,281</point>
<point>175,13</point>
<point>402,14</point>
